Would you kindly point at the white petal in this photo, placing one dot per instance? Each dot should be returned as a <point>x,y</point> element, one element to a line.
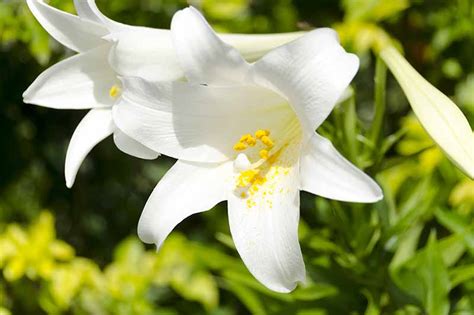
<point>70,30</point>
<point>186,189</point>
<point>312,72</point>
<point>87,9</point>
<point>145,53</point>
<point>264,225</point>
<point>254,46</point>
<point>205,58</point>
<point>93,128</point>
<point>203,124</point>
<point>325,172</point>
<point>132,147</point>
<point>81,81</point>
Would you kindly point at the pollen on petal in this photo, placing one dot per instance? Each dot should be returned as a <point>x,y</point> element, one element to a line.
<point>247,177</point>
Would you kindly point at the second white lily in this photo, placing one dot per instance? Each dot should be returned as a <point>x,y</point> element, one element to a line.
<point>245,133</point>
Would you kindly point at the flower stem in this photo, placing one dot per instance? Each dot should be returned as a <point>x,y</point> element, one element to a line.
<point>380,103</point>
<point>350,128</point>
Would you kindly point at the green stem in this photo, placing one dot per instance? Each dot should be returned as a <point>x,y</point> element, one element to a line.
<point>380,103</point>
<point>350,128</point>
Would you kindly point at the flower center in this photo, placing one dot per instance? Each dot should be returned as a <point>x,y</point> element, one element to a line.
<point>248,140</point>
<point>115,91</point>
<point>251,176</point>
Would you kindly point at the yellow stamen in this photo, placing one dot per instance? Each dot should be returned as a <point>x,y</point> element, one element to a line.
<point>251,141</point>
<point>267,141</point>
<point>115,91</point>
<point>261,133</point>
<point>240,146</point>
<point>264,154</point>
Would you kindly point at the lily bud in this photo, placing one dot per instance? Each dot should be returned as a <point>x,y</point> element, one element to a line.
<point>439,116</point>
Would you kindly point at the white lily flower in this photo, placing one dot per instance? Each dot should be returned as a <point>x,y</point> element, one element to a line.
<point>245,133</point>
<point>90,80</point>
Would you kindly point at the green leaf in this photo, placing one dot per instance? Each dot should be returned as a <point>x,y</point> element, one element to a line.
<point>372,307</point>
<point>406,247</point>
<point>244,278</point>
<point>435,275</point>
<point>456,224</point>
<point>416,208</point>
<point>248,297</point>
<point>199,286</point>
<point>374,10</point>
<point>461,274</point>
<point>426,278</point>
<point>452,248</point>
<point>315,292</point>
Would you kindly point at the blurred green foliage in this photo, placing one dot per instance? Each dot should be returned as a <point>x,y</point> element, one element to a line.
<point>412,253</point>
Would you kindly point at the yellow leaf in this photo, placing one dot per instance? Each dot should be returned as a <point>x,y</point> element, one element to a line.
<point>462,193</point>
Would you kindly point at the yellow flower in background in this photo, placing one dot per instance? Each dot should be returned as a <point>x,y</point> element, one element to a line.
<point>64,279</point>
<point>463,193</point>
<point>34,252</point>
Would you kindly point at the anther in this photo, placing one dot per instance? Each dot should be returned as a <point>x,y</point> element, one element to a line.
<point>240,146</point>
<point>248,139</point>
<point>267,141</point>
<point>115,91</point>
<point>261,133</point>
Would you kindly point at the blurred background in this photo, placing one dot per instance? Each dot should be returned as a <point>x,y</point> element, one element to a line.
<point>76,251</point>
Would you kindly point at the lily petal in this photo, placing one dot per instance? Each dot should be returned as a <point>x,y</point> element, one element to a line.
<point>145,53</point>
<point>71,31</point>
<point>204,57</point>
<point>81,81</point>
<point>197,123</point>
<point>93,128</point>
<point>325,172</point>
<point>441,118</point>
<point>186,189</point>
<point>132,147</point>
<point>264,225</point>
<point>312,72</point>
<point>87,9</point>
<point>254,46</point>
